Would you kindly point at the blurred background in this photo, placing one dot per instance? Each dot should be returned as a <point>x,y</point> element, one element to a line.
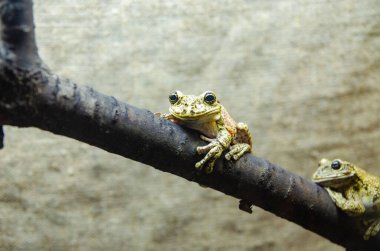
<point>304,75</point>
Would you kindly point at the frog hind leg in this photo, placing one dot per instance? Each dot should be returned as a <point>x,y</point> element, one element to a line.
<point>242,142</point>
<point>373,229</point>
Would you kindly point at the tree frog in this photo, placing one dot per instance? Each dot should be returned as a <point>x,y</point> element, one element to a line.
<point>353,190</point>
<point>205,114</point>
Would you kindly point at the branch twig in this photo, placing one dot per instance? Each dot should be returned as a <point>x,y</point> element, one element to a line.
<point>30,95</point>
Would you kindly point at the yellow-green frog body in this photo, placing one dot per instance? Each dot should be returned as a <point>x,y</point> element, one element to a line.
<point>205,114</point>
<point>353,190</point>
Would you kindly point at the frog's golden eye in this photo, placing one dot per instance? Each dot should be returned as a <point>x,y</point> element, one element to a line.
<point>336,164</point>
<point>209,98</point>
<point>173,98</point>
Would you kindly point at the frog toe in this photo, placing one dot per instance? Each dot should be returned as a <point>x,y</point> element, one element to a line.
<point>237,151</point>
<point>201,149</point>
<point>373,229</point>
<point>228,156</point>
<point>205,149</point>
<point>206,138</point>
<point>199,164</point>
<point>210,167</point>
<point>237,156</point>
<point>232,152</point>
<point>368,233</point>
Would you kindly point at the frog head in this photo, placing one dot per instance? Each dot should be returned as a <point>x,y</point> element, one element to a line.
<point>334,174</point>
<point>202,108</point>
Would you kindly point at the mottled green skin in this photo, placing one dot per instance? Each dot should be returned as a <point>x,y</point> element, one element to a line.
<point>353,190</point>
<point>215,124</point>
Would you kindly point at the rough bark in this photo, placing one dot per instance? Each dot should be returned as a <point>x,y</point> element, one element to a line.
<point>32,96</point>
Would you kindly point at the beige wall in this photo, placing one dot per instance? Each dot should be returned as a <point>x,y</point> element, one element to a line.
<point>304,75</point>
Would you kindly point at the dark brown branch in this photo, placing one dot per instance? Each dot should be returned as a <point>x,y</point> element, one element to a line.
<point>30,95</point>
<point>1,137</point>
<point>17,33</point>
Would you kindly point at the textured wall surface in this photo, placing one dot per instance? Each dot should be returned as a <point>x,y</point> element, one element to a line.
<point>304,75</point>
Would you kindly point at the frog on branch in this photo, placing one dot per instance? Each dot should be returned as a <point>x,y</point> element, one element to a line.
<point>353,190</point>
<point>205,114</point>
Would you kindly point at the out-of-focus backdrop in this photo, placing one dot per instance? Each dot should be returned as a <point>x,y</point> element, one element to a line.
<point>304,75</point>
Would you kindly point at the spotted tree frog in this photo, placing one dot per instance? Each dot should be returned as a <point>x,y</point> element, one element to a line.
<point>205,114</point>
<point>353,190</point>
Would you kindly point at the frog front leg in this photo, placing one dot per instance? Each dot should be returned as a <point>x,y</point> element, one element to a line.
<point>352,206</point>
<point>214,149</point>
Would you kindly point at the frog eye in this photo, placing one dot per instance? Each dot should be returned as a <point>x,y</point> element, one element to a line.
<point>336,164</point>
<point>209,98</point>
<point>173,98</point>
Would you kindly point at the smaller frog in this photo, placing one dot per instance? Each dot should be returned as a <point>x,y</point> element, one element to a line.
<point>353,190</point>
<point>205,114</point>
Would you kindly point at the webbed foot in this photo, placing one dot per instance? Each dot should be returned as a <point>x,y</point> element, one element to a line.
<point>237,150</point>
<point>373,229</point>
<point>214,149</point>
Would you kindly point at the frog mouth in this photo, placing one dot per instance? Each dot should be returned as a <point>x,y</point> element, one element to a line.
<point>330,179</point>
<point>195,116</point>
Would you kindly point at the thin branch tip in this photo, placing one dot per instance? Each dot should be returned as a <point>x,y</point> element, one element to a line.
<point>18,30</point>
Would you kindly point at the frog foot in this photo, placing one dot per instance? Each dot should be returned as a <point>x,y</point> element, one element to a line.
<point>214,149</point>
<point>373,229</point>
<point>237,150</point>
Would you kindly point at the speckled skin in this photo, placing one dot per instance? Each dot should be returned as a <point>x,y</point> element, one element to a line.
<point>353,190</point>
<point>215,124</point>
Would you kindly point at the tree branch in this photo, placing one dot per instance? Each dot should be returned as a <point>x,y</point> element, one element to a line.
<point>17,34</point>
<point>30,95</point>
